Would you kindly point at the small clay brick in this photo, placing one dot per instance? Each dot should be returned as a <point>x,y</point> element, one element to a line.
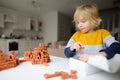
<point>17,61</point>
<point>58,73</point>
<point>73,71</point>
<point>12,55</point>
<point>22,60</point>
<point>45,64</point>
<point>46,75</point>
<point>81,47</point>
<point>64,75</point>
<point>73,74</point>
<point>2,57</point>
<point>51,75</point>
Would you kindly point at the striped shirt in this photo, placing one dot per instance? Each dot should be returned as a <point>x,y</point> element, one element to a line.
<point>93,42</point>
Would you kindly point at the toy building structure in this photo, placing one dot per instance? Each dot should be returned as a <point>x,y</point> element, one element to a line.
<point>8,62</point>
<point>37,56</point>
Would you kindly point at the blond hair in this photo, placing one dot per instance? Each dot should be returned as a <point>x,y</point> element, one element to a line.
<point>88,12</point>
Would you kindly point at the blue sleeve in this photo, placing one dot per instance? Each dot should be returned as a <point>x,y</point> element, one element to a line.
<point>112,50</point>
<point>69,53</point>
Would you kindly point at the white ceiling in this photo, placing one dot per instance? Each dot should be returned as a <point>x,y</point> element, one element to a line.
<point>64,6</point>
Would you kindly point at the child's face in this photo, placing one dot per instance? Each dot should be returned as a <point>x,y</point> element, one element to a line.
<point>84,26</point>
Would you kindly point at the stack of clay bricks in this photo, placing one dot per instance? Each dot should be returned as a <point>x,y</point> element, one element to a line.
<point>38,56</point>
<point>28,55</point>
<point>62,74</point>
<point>8,62</point>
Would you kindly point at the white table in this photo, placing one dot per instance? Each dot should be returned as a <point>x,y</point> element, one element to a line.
<point>27,71</point>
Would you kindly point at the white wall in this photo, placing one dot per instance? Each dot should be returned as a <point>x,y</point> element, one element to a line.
<point>50,25</point>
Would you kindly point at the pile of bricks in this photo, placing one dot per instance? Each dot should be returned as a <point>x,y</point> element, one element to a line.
<point>37,56</point>
<point>8,62</point>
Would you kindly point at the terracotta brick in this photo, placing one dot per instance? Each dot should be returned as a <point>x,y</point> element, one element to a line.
<point>46,75</point>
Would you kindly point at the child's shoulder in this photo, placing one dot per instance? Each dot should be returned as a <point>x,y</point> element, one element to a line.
<point>102,30</point>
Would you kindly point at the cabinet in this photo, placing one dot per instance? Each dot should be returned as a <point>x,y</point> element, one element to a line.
<point>27,23</point>
<point>1,20</point>
<point>35,24</point>
<point>9,18</point>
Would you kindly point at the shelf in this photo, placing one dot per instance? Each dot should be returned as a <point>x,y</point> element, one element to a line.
<point>9,18</point>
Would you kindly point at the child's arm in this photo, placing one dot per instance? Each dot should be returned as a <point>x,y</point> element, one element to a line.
<point>71,51</point>
<point>112,50</point>
<point>76,46</point>
<point>108,52</point>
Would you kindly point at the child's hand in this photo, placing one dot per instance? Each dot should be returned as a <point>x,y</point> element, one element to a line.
<point>84,57</point>
<point>102,54</point>
<point>77,46</point>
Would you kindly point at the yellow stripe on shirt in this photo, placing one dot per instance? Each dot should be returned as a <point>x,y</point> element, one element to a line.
<point>93,38</point>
